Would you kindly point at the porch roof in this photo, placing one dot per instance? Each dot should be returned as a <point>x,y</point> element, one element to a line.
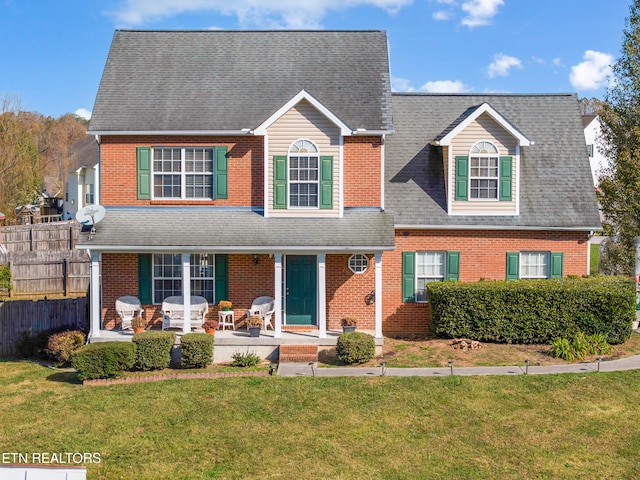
<point>224,230</point>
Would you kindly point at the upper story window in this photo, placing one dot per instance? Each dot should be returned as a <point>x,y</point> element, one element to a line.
<point>89,196</point>
<point>303,174</point>
<point>183,173</point>
<point>483,173</point>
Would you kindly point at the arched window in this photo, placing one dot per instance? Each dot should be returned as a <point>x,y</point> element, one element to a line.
<point>303,174</point>
<point>484,159</point>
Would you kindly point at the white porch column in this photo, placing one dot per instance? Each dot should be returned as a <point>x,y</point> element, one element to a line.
<point>278,295</point>
<point>322,295</point>
<point>95,320</point>
<point>378,303</point>
<point>186,291</point>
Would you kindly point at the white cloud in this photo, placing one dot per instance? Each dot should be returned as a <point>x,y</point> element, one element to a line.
<point>593,72</point>
<point>444,86</point>
<point>83,113</point>
<point>557,62</point>
<point>502,64</point>
<point>441,15</point>
<point>401,85</point>
<point>272,14</point>
<point>480,12</point>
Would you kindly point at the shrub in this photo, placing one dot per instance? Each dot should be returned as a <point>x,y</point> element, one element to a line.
<point>32,345</point>
<point>61,345</point>
<point>355,347</point>
<point>249,359</point>
<point>598,344</point>
<point>562,348</point>
<point>153,350</point>
<point>197,350</point>
<point>103,360</point>
<point>580,346</point>
<point>5,278</point>
<point>532,311</point>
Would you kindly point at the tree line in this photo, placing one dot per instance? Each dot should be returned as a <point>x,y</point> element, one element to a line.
<point>33,153</point>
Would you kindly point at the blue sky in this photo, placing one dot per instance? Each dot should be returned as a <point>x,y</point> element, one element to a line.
<point>52,53</point>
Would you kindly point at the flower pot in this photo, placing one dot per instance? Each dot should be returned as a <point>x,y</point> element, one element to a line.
<point>226,309</point>
<point>211,331</point>
<point>138,329</point>
<point>254,331</point>
<point>349,328</point>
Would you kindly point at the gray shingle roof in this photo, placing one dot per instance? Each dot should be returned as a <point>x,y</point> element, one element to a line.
<point>232,230</point>
<point>230,80</point>
<point>556,188</point>
<point>83,153</point>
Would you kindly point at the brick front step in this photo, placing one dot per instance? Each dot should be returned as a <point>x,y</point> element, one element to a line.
<point>298,353</point>
<point>299,328</point>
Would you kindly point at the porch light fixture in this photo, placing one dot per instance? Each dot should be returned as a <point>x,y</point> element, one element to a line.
<point>526,366</point>
<point>255,258</point>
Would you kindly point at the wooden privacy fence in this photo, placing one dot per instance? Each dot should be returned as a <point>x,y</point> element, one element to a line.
<point>64,272</point>
<point>19,315</point>
<point>42,237</point>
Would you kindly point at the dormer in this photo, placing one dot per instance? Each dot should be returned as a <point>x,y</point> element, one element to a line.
<point>482,154</point>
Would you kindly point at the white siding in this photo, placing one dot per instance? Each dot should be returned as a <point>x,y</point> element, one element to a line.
<point>485,128</point>
<point>304,121</point>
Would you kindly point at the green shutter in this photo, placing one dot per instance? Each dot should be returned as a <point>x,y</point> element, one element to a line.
<point>506,182</point>
<point>144,279</point>
<point>279,181</point>
<point>513,265</point>
<point>462,178</point>
<point>326,182</point>
<point>221,172</point>
<point>408,276</point>
<point>144,173</point>
<point>453,266</point>
<point>556,265</point>
<point>222,277</point>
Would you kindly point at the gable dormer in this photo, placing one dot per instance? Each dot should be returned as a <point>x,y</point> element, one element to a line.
<point>482,154</point>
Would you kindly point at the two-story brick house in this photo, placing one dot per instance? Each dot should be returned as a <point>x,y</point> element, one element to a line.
<point>241,164</point>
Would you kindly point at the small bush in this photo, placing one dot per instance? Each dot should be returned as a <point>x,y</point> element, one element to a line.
<point>580,346</point>
<point>153,350</point>
<point>562,348</point>
<point>5,278</point>
<point>598,344</point>
<point>197,350</point>
<point>103,360</point>
<point>248,359</point>
<point>355,347</point>
<point>32,345</point>
<point>61,345</point>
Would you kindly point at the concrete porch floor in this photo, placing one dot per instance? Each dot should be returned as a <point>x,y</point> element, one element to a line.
<point>227,342</point>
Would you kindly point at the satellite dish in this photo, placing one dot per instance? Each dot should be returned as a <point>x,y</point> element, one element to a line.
<point>89,216</point>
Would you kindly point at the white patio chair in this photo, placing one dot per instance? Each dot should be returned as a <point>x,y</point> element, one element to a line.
<point>128,307</point>
<point>264,308</point>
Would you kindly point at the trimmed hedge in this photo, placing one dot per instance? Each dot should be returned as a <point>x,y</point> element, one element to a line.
<point>533,311</point>
<point>153,350</point>
<point>355,347</point>
<point>197,350</point>
<point>103,360</point>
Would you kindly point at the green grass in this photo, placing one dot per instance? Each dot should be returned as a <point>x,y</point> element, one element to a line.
<point>594,257</point>
<point>548,426</point>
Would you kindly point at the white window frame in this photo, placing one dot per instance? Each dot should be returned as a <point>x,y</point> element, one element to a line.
<point>358,263</point>
<point>421,279</point>
<point>202,270</point>
<point>299,149</point>
<point>479,151</point>
<point>183,173</point>
<point>545,264</point>
<point>89,196</point>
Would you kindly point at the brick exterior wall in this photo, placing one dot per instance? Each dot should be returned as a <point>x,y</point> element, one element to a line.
<point>118,169</point>
<point>362,171</point>
<point>482,255</point>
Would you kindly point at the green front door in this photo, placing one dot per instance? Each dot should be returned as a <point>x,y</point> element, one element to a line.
<point>301,290</point>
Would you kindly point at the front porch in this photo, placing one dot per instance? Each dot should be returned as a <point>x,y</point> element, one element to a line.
<point>267,345</point>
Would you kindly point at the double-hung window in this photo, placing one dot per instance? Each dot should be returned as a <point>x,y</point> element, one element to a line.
<point>303,174</point>
<point>183,173</point>
<point>484,173</point>
<point>89,195</point>
<point>167,276</point>
<point>421,268</point>
<point>532,264</point>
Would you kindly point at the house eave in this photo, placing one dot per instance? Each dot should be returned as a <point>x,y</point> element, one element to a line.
<point>231,249</point>
<point>499,227</point>
<point>229,133</point>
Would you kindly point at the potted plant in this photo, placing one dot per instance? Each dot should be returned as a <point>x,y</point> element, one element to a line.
<point>254,323</point>
<point>225,305</point>
<point>138,324</point>
<point>210,326</point>
<point>348,324</point>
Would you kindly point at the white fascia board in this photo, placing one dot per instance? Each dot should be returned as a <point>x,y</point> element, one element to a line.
<point>494,227</point>
<point>485,108</point>
<point>231,249</point>
<point>195,133</point>
<point>302,95</point>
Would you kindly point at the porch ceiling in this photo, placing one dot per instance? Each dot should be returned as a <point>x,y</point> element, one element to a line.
<point>208,229</point>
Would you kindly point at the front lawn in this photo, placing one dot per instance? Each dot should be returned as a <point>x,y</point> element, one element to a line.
<point>548,426</point>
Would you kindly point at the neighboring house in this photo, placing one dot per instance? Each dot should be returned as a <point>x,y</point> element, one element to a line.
<point>2,218</point>
<point>81,182</point>
<point>241,164</point>
<point>592,132</point>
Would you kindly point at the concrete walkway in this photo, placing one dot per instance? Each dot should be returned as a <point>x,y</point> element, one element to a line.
<point>310,370</point>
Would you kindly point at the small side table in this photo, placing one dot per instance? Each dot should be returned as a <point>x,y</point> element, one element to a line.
<point>227,318</point>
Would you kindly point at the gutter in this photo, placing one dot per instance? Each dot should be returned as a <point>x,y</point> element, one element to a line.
<point>495,227</point>
<point>231,249</point>
<point>244,131</point>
